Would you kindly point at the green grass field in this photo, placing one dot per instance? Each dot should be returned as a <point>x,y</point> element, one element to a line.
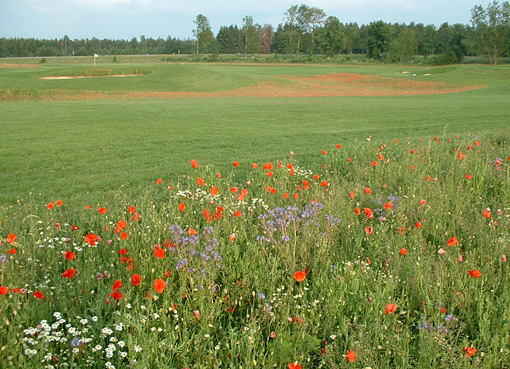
<point>343,232</point>
<point>84,148</point>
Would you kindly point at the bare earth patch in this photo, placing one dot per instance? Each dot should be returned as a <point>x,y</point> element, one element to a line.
<point>322,85</point>
<point>7,65</point>
<point>77,77</point>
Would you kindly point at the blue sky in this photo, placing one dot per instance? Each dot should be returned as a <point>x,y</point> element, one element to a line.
<point>125,19</point>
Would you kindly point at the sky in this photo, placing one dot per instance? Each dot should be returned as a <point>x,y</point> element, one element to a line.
<point>125,19</point>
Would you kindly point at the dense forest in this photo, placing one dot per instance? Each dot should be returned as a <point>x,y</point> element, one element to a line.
<point>305,30</point>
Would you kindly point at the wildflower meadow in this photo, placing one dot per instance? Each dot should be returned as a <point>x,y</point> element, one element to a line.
<point>388,254</point>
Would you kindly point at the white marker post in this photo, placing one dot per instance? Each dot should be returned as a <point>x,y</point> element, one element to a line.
<point>95,56</point>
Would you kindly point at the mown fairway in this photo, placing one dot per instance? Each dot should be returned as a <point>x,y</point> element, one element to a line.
<point>208,227</point>
<point>84,148</point>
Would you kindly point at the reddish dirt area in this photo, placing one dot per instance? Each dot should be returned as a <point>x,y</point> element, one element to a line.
<point>7,65</point>
<point>327,85</point>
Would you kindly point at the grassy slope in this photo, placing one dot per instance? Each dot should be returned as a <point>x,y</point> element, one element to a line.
<point>88,148</point>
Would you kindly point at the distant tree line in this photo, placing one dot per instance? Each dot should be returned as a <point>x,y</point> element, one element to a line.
<point>306,30</point>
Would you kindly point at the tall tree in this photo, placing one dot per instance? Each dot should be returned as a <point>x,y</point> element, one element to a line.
<point>428,40</point>
<point>230,40</point>
<point>266,36</point>
<point>379,37</point>
<point>491,25</point>
<point>315,18</point>
<point>250,36</point>
<point>403,47</point>
<point>291,27</point>
<point>333,37</point>
<point>202,32</point>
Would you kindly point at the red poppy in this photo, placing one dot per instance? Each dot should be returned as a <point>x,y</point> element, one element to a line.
<point>69,255</point>
<point>380,156</point>
<point>469,351</point>
<point>123,252</point>
<point>102,210</point>
<point>423,202</point>
<point>357,211</point>
<point>11,237</point>
<point>388,205</point>
<point>200,181</point>
<point>123,236</point>
<point>294,365</point>
<point>254,165</point>
<point>316,177</point>
<point>194,164</point>
<point>4,290</point>
<point>116,285</point>
<point>182,206</point>
<point>159,285</point>
<point>418,224</point>
<point>50,206</point>
<point>390,308</point>
<point>351,356</point>
<point>469,176</point>
<point>12,251</point>
<point>269,173</point>
<point>349,160</point>
<point>338,146</point>
<point>235,164</point>
<point>427,178</point>
<point>374,163</point>
<point>461,156</point>
<point>299,276</point>
<point>58,202</point>
<point>136,217</point>
<point>401,230</point>
<point>368,190</point>
<point>475,273</point>
<point>116,295</point>
<point>88,207</point>
<point>369,213</point>
<point>368,230</point>
<point>69,273</point>
<point>486,213</point>
<point>38,294</point>
<point>159,253</point>
<point>91,238</point>
<point>453,241</point>
<point>135,279</point>
<point>214,190</point>
<point>352,195</point>
<point>403,251</point>
<point>132,209</point>
<point>159,180</point>
<point>238,213</point>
